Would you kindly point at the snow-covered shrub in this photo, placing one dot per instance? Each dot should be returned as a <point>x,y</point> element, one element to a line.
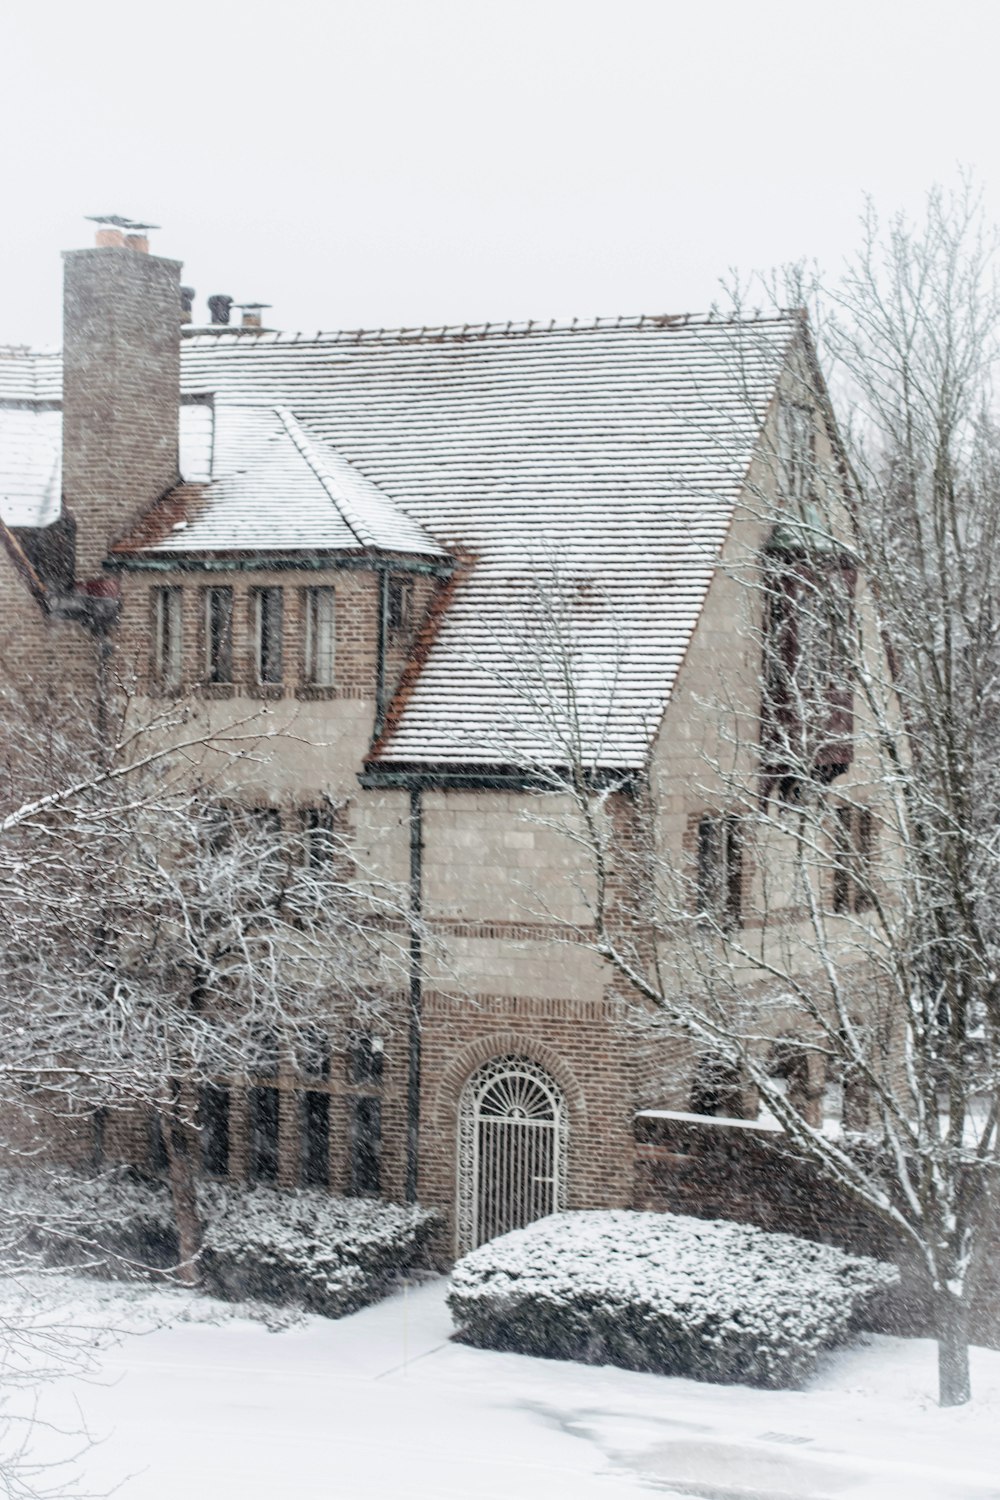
<point>703,1298</point>
<point>115,1220</point>
<point>330,1254</point>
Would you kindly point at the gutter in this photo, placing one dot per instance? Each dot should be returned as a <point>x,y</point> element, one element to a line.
<point>262,563</point>
<point>487,779</point>
<point>382,632</point>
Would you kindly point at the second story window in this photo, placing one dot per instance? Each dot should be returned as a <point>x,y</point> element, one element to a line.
<point>797,438</point>
<point>318,637</point>
<point>720,871</point>
<point>268,616</point>
<point>399,605</point>
<point>218,635</point>
<point>853,859</point>
<point>167,660</point>
<point>365,1059</point>
<point>809,646</point>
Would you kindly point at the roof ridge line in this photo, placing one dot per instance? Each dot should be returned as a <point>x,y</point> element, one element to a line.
<point>511,329</point>
<point>304,442</point>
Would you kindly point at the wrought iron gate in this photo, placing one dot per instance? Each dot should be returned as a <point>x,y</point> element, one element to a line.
<point>512,1150</point>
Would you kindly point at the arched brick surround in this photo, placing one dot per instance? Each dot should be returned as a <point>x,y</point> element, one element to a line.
<point>444,1116</point>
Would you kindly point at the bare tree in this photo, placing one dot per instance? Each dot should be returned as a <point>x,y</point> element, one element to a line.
<point>157,934</point>
<point>831,937</point>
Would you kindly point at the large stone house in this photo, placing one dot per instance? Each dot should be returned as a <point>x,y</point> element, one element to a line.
<point>369,530</point>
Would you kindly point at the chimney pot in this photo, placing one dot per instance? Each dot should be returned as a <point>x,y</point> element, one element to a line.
<point>253,314</point>
<point>109,239</point>
<point>218,307</point>
<point>187,303</point>
<point>138,242</point>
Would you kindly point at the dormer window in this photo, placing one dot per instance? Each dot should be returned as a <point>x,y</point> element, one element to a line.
<point>400,605</point>
<point>268,619</point>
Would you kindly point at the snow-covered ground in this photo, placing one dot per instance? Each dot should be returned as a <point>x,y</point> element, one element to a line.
<point>199,1400</point>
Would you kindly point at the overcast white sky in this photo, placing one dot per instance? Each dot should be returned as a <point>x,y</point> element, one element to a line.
<point>425,161</point>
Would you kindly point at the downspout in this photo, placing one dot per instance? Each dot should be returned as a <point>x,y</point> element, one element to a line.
<point>380,643</point>
<point>416,996</point>
<point>101,621</point>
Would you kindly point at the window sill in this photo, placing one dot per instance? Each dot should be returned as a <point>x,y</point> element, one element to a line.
<point>311,692</point>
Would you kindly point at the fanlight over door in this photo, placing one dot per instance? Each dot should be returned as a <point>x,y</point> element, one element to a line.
<point>512,1150</point>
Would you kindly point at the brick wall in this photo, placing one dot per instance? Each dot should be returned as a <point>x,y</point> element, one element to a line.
<point>45,661</point>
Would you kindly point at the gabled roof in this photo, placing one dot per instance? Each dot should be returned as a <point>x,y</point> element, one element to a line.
<point>595,464</point>
<point>587,474</point>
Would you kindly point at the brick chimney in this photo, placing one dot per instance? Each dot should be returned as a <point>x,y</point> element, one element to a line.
<point>121,388</point>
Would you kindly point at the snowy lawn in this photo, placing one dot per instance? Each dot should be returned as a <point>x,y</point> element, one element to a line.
<point>381,1404</point>
<point>665,1292</point>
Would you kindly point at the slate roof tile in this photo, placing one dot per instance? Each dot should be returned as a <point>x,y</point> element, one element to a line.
<point>596,466</point>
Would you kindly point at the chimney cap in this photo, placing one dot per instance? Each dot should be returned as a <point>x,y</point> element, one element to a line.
<point>117,221</point>
<point>253,306</point>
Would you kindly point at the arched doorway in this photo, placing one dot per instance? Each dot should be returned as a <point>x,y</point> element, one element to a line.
<point>511,1150</point>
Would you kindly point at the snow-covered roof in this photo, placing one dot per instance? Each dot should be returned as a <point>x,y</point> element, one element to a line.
<point>275,488</point>
<point>31,452</point>
<point>600,463</point>
<point>30,465</point>
<point>594,464</point>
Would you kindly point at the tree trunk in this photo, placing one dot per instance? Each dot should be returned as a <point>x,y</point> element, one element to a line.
<point>184,1197</point>
<point>953,1350</point>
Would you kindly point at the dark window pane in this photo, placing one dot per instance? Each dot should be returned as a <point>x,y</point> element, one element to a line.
<point>317,823</point>
<point>313,1053</point>
<point>366,1146</point>
<point>315,1139</point>
<point>400,594</point>
<point>264,1055</point>
<point>717,1088</point>
<point>866,857</point>
<point>157,1145</point>
<point>364,1060</point>
<point>213,1123</point>
<point>720,870</point>
<point>99,1121</point>
<point>843,856</point>
<point>270,612</point>
<point>262,1111</point>
<point>219,634</point>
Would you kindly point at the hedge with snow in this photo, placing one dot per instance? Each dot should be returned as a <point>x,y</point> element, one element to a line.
<point>331,1255</point>
<point>703,1298</point>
